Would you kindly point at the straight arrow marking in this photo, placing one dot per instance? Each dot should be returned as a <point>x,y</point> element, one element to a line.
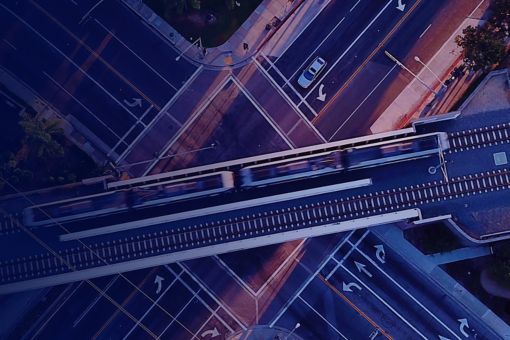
<point>361,268</point>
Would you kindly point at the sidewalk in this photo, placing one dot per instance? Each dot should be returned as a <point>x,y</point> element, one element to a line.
<point>415,98</point>
<point>460,254</point>
<point>272,25</point>
<point>392,236</point>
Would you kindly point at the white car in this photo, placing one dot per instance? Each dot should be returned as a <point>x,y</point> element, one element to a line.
<point>311,72</point>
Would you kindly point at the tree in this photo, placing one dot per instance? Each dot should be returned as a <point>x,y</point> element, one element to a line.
<point>499,21</point>
<point>40,137</point>
<point>483,48</point>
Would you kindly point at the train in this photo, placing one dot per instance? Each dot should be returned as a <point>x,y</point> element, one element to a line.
<point>126,199</point>
<point>285,170</point>
<point>244,178</point>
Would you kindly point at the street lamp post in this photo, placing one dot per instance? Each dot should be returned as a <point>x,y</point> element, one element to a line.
<point>90,11</point>
<point>157,157</point>
<point>408,70</point>
<point>430,70</point>
<point>199,40</point>
<point>295,327</point>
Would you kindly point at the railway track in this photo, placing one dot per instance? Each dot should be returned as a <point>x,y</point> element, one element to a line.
<point>251,225</point>
<point>479,137</point>
<point>9,224</point>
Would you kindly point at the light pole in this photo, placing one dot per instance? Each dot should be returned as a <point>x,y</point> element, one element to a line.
<point>295,327</point>
<point>156,157</point>
<point>90,11</point>
<point>430,70</point>
<point>408,70</point>
<point>199,40</point>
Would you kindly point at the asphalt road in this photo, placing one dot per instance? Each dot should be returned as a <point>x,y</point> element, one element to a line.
<point>385,294</point>
<point>324,291</point>
<point>415,187</point>
<point>360,81</point>
<point>108,74</point>
<point>188,308</point>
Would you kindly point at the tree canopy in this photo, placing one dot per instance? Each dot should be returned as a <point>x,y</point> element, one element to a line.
<point>500,16</point>
<point>482,46</point>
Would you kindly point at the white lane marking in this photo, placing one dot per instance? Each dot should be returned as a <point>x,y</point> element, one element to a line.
<point>69,60</point>
<point>81,104</point>
<point>338,263</point>
<point>291,300</point>
<point>263,112</point>
<point>425,31</point>
<point>287,82</point>
<point>299,69</point>
<point>304,29</point>
<point>323,318</point>
<point>94,302</point>
<point>162,112</point>
<point>188,123</point>
<point>152,306</point>
<point>201,329</point>
<point>211,294</point>
<point>74,2</point>
<point>235,277</point>
<point>41,327</point>
<point>384,302</point>
<point>376,265</point>
<point>287,98</point>
<point>176,316</point>
<point>291,256</point>
<point>353,7</point>
<point>134,53</point>
<point>362,102</point>
<point>8,43</point>
<point>319,81</point>
<point>131,129</point>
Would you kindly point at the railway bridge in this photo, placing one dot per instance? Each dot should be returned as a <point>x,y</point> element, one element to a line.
<point>468,173</point>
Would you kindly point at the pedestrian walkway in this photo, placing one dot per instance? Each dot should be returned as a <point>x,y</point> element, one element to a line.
<point>417,98</point>
<point>392,236</point>
<point>460,255</point>
<point>272,25</point>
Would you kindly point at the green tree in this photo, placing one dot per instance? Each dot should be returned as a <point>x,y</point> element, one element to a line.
<point>499,21</point>
<point>483,48</point>
<point>40,137</point>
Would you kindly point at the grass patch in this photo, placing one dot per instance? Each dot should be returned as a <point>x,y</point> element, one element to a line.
<point>212,20</point>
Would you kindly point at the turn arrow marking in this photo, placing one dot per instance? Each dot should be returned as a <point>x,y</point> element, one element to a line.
<point>347,287</point>
<point>380,253</point>
<point>158,280</point>
<point>322,95</point>
<point>462,327</point>
<point>401,6</point>
<point>212,332</point>
<point>134,102</point>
